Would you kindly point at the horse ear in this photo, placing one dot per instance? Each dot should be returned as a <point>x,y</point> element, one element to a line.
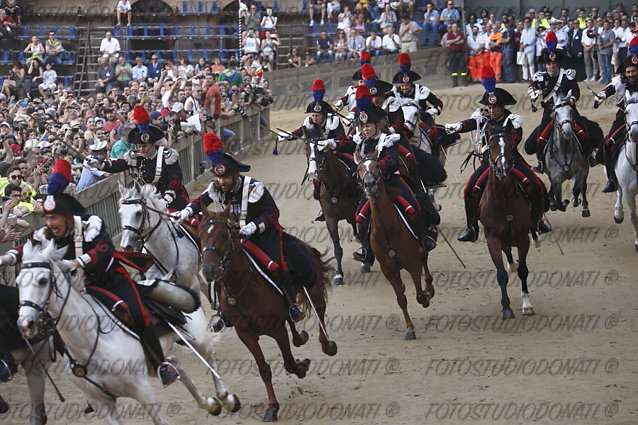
<point>357,156</point>
<point>376,153</point>
<point>121,187</point>
<point>227,210</point>
<point>569,94</point>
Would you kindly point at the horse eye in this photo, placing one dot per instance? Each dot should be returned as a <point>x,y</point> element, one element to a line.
<point>138,214</point>
<point>43,281</point>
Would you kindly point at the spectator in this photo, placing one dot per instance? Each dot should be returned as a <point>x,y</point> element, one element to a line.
<point>562,34</point>
<point>408,33</point>
<point>472,21</point>
<point>430,24</point>
<point>388,19</point>
<point>231,75</point>
<point>105,76</point>
<point>139,72</point>
<point>294,60</point>
<point>153,70</point>
<point>250,43</point>
<point>358,20</point>
<point>15,83</point>
<point>192,106</point>
<point>35,49</point>
<point>268,23</point>
<point>375,9</point>
<point>624,36</point>
<point>341,46</point>
<point>605,41</point>
<point>455,41</point>
<point>7,30</point>
<point>356,44</point>
<point>110,48</point>
<point>448,16</point>
<point>576,61</point>
<point>344,19</point>
<point>53,49</point>
<point>477,54</point>
<point>582,18</point>
<point>528,47</point>
<point>495,45</point>
<point>401,5</point>
<point>332,7</point>
<point>374,44</point>
<point>540,45</point>
<point>185,70</point>
<point>217,67</point>
<point>324,48</point>
<point>33,76</point>
<point>317,6</point>
<point>308,59</point>
<point>90,176</point>
<point>391,42</point>
<point>253,19</point>
<point>123,8</point>
<point>589,49</point>
<point>122,146</point>
<point>508,42</point>
<point>12,9</point>
<point>123,72</point>
<point>269,49</point>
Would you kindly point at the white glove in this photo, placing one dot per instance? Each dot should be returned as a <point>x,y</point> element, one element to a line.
<point>339,104</point>
<point>68,265</point>
<point>326,144</point>
<point>453,127</point>
<point>601,96</point>
<point>533,93</point>
<point>168,198</point>
<point>247,230</point>
<point>281,138</point>
<point>94,162</point>
<point>433,111</point>
<point>350,116</point>
<point>6,260</point>
<point>183,214</point>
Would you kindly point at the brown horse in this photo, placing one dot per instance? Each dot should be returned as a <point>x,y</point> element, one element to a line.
<point>252,305</point>
<point>339,197</point>
<point>506,217</point>
<point>392,243</point>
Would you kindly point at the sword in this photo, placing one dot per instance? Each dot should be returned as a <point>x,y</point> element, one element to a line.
<point>450,245</point>
<point>553,234</point>
<point>596,104</point>
<point>189,345</point>
<point>449,163</point>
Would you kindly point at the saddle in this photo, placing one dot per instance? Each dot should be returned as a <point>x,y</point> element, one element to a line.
<point>192,232</point>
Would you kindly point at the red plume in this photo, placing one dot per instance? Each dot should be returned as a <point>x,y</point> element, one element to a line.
<point>404,59</point>
<point>212,143</point>
<point>140,115</point>
<point>487,72</point>
<point>367,71</point>
<point>63,167</point>
<point>318,85</point>
<point>550,37</point>
<point>363,91</point>
<point>365,56</point>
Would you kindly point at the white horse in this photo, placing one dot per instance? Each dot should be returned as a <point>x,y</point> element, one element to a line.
<point>143,227</point>
<point>626,166</point>
<point>97,350</point>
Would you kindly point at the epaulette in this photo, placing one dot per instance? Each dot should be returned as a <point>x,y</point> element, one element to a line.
<point>170,156</point>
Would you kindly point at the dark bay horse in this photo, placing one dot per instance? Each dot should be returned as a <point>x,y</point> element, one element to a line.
<point>252,305</point>
<point>391,241</point>
<point>506,217</point>
<point>339,196</point>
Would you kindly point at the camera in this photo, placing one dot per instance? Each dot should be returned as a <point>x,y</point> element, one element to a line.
<point>62,151</point>
<point>209,118</point>
<point>75,129</point>
<point>45,165</point>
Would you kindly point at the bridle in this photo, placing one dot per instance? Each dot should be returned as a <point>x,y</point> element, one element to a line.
<point>569,121</point>
<point>498,164</point>
<point>53,285</point>
<point>227,254</point>
<point>145,217</point>
<point>632,101</point>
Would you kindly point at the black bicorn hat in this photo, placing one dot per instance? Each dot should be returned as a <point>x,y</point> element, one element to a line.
<point>405,74</point>
<point>228,166</point>
<point>57,201</point>
<point>143,132</point>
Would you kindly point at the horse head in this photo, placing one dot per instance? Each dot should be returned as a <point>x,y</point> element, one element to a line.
<point>218,236</point>
<point>36,283</point>
<point>369,172</point>
<point>631,115</point>
<point>564,114</point>
<point>135,216</point>
<point>501,150</point>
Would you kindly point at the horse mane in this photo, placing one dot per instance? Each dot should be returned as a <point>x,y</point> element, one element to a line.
<point>151,195</point>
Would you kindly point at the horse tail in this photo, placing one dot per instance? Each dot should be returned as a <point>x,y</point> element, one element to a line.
<point>323,283</point>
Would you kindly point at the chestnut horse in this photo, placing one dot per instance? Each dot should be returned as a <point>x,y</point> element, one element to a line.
<point>506,217</point>
<point>252,305</point>
<point>391,241</point>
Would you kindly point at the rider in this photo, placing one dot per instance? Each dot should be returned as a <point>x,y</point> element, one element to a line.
<point>152,164</point>
<point>259,220</point>
<point>372,137</point>
<point>496,115</point>
<point>627,80</point>
<point>407,91</point>
<point>554,80</point>
<point>350,99</point>
<point>90,251</point>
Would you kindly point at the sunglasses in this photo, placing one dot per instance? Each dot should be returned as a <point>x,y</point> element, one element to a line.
<point>16,176</point>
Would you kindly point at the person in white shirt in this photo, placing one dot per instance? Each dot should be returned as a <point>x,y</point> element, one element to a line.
<point>140,71</point>
<point>391,42</point>
<point>562,34</point>
<point>528,47</point>
<point>268,23</point>
<point>49,77</point>
<point>588,40</point>
<point>110,48</point>
<point>374,44</point>
<point>624,36</point>
<point>123,8</point>
<point>477,54</point>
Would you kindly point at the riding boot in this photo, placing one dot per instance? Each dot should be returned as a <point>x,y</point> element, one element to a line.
<point>365,255</point>
<point>315,191</point>
<point>540,156</point>
<point>472,231</point>
<point>612,185</point>
<point>537,217</point>
<point>153,349</point>
<point>421,227</point>
<point>8,367</point>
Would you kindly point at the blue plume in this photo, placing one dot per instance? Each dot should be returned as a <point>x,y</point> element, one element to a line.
<point>370,82</point>
<point>633,49</point>
<point>317,95</point>
<point>57,184</point>
<point>489,84</point>
<point>551,46</point>
<point>143,128</point>
<point>215,157</point>
<point>363,103</point>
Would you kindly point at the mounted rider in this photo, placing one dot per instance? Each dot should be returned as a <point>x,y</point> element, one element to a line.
<point>495,114</point>
<point>373,137</point>
<point>91,252</point>
<point>554,80</point>
<point>258,217</point>
<point>349,100</point>
<point>626,80</point>
<point>150,163</point>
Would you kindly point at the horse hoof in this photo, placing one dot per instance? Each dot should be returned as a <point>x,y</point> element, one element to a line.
<point>410,335</point>
<point>303,338</point>
<point>213,406</point>
<point>365,268</point>
<point>586,213</point>
<point>337,280</point>
<point>619,220</point>
<point>234,403</point>
<point>4,407</point>
<point>508,314</point>
<point>269,416</point>
<point>424,300</point>
<point>528,311</point>
<point>330,348</point>
<point>636,246</point>
<point>575,202</point>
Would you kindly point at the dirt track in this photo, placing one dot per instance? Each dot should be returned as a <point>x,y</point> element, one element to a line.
<point>572,363</point>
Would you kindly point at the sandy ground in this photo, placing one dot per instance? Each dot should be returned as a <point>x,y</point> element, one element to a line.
<point>572,363</point>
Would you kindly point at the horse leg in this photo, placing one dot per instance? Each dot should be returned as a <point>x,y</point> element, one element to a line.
<point>104,408</point>
<point>146,397</point>
<point>333,229</point>
<point>251,342</point>
<point>511,266</point>
<point>619,214</point>
<point>197,327</point>
<point>630,200</point>
<point>210,404</point>
<point>494,246</point>
<point>427,277</point>
<point>394,277</point>
<point>576,190</point>
<point>298,338</point>
<point>523,271</point>
<point>583,190</point>
<point>35,384</point>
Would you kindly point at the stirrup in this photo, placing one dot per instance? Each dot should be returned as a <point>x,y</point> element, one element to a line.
<point>611,186</point>
<point>428,244</point>
<point>7,370</point>
<point>296,314</point>
<point>362,256</point>
<point>167,376</point>
<point>539,167</point>
<point>542,227</point>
